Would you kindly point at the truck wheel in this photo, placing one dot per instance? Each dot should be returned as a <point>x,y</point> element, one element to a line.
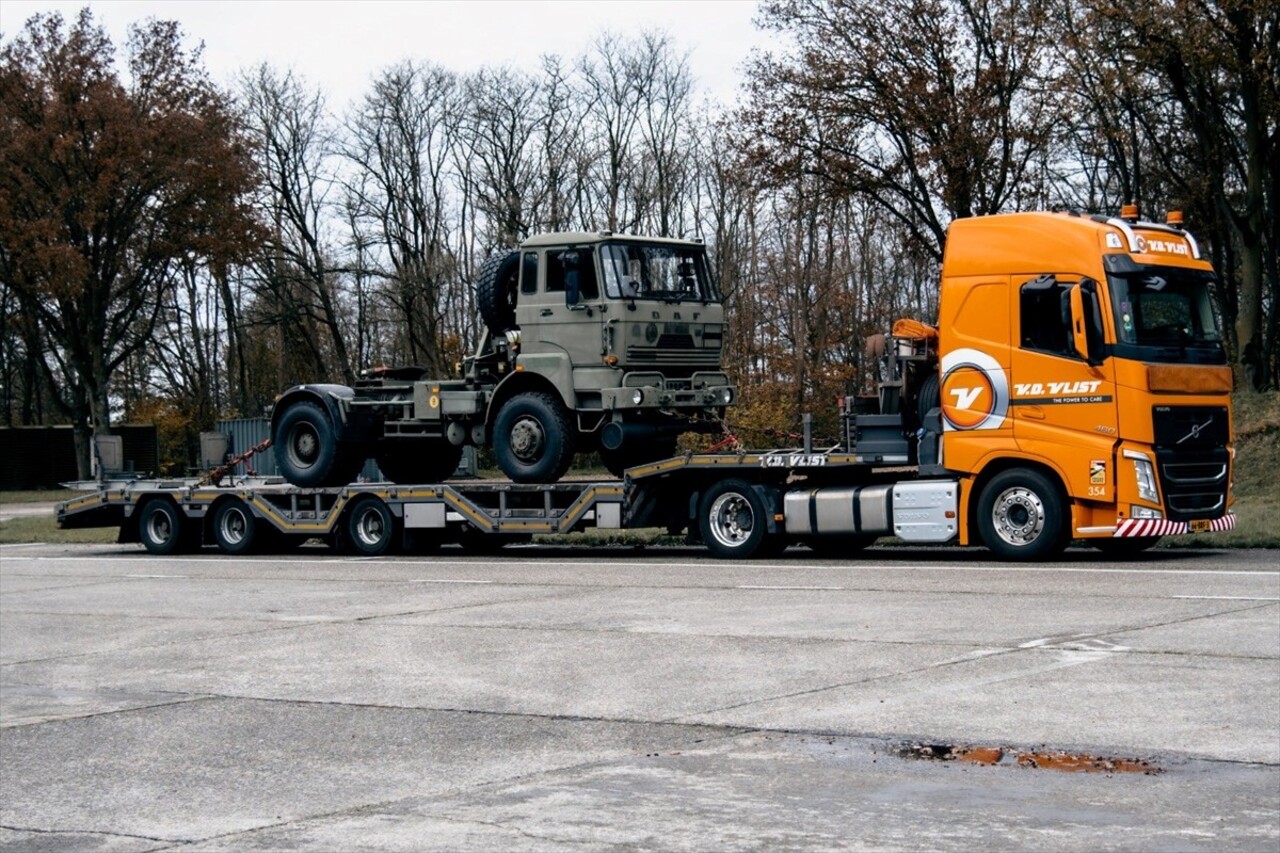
<point>533,439</point>
<point>617,461</point>
<point>235,528</point>
<point>732,520</point>
<point>418,460</point>
<point>162,528</point>
<point>1022,516</point>
<point>496,291</point>
<point>307,450</point>
<point>372,529</point>
<point>840,545</point>
<point>1124,546</point>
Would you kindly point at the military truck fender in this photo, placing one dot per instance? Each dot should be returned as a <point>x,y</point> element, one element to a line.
<point>553,374</point>
<point>347,426</point>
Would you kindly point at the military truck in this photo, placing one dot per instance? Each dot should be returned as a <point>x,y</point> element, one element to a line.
<point>591,342</point>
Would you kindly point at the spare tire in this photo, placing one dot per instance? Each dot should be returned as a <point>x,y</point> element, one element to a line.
<point>496,287</point>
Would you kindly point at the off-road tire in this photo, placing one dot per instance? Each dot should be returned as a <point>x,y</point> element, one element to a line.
<point>533,438</point>
<point>307,449</point>
<point>496,290</point>
<point>418,460</point>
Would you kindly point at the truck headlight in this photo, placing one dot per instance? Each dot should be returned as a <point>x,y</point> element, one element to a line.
<point>637,397</point>
<point>1146,479</point>
<point>726,396</point>
<point>1146,512</point>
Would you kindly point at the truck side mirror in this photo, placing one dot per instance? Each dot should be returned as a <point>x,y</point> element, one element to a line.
<point>572,289</point>
<point>1085,336</point>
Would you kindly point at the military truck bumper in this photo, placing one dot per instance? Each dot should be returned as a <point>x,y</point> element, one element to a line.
<point>654,391</point>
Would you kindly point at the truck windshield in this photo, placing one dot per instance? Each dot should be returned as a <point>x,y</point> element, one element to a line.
<point>656,272</point>
<point>1166,314</point>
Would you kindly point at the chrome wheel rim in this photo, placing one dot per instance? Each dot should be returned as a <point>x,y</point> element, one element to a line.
<point>731,520</point>
<point>1018,516</point>
<point>370,527</point>
<point>234,526</point>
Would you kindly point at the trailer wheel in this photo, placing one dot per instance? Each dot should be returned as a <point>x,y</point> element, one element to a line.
<point>1124,546</point>
<point>533,439</point>
<point>732,520</point>
<point>372,529</point>
<point>162,528</point>
<point>1023,516</point>
<point>422,460</point>
<point>236,530</point>
<point>496,291</point>
<point>840,545</point>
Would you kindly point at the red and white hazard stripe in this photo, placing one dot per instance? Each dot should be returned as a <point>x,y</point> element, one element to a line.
<point>1164,527</point>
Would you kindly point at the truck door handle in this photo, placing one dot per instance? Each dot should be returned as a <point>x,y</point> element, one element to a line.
<point>1033,412</point>
<point>546,312</point>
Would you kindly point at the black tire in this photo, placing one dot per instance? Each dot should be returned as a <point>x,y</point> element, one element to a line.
<point>162,528</point>
<point>1124,546</point>
<point>732,520</point>
<point>618,461</point>
<point>533,440</point>
<point>372,529</point>
<point>1022,515</point>
<point>496,289</point>
<point>421,460</point>
<point>840,545</point>
<point>307,449</point>
<point>236,530</point>
<point>930,396</point>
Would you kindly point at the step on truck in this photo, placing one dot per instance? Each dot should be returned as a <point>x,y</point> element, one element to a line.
<point>1074,387</point>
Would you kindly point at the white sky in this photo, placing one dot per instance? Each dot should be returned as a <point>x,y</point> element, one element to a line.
<point>338,45</point>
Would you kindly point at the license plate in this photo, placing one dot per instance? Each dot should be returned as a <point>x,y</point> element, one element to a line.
<point>1201,525</point>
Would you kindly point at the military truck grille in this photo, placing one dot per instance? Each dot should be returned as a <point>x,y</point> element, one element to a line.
<point>663,355</point>
<point>1191,460</point>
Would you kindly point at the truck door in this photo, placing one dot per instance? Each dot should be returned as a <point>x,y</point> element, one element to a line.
<point>563,314</point>
<point>1063,406</point>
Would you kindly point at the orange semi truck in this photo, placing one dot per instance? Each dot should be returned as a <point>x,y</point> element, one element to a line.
<point>1075,387</point>
<point>1084,388</point>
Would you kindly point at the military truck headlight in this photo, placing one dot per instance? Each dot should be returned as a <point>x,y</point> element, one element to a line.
<point>1146,476</point>
<point>637,397</point>
<point>726,396</point>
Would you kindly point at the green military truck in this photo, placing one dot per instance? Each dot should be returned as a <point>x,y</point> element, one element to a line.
<point>591,342</point>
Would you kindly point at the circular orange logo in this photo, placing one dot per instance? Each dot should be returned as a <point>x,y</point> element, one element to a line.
<point>967,397</point>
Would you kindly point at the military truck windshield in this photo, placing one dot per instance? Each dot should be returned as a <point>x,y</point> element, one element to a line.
<point>1166,314</point>
<point>656,272</point>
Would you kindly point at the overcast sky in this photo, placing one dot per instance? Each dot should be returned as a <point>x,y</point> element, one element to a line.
<point>338,45</point>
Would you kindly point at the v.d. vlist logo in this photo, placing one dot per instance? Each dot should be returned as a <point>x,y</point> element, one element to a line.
<point>975,390</point>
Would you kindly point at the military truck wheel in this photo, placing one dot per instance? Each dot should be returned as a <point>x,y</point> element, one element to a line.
<point>1022,516</point>
<point>307,449</point>
<point>420,460</point>
<point>617,461</point>
<point>496,291</point>
<point>533,439</point>
<point>372,529</point>
<point>236,530</point>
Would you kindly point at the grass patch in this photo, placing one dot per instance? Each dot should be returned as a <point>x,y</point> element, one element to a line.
<point>33,496</point>
<point>43,528</point>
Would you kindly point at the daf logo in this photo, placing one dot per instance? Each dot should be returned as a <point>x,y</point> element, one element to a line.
<point>1195,431</point>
